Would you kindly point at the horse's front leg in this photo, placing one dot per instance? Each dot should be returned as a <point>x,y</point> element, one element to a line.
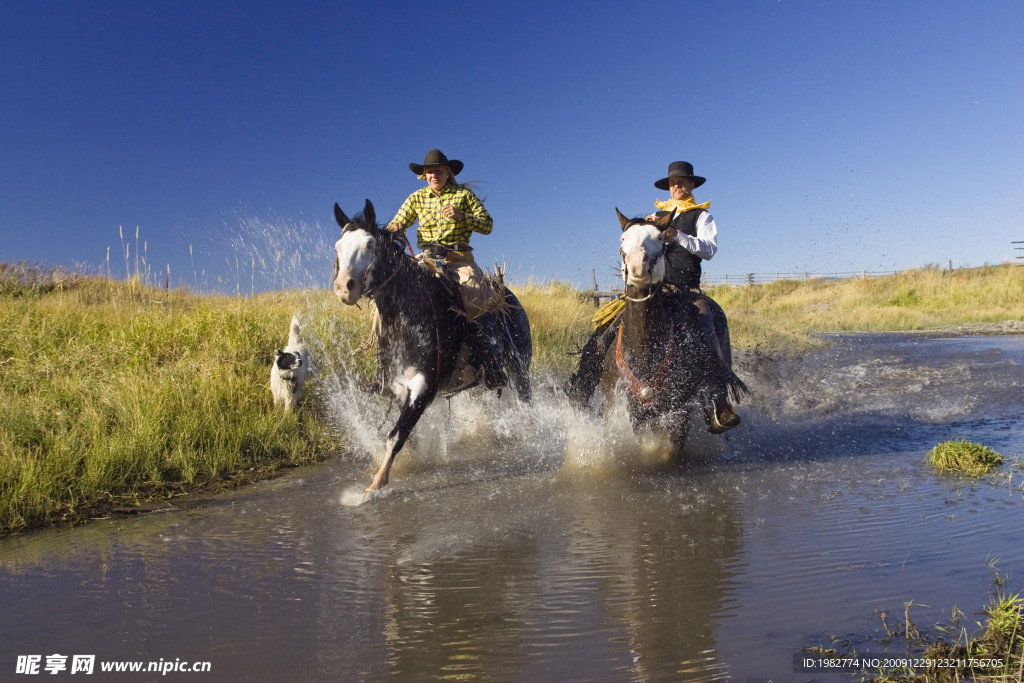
<point>419,392</point>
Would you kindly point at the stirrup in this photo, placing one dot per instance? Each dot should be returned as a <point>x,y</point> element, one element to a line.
<point>724,422</point>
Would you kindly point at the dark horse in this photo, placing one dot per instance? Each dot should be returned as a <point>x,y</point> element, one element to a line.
<point>423,334</point>
<point>658,352</point>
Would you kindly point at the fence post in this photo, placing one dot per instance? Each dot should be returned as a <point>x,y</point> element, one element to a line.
<point>750,279</point>
<point>597,299</point>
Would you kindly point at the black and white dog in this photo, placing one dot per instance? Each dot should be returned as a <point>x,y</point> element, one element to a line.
<point>290,368</point>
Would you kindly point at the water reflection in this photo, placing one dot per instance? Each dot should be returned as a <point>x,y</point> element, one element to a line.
<point>496,561</point>
<point>663,550</point>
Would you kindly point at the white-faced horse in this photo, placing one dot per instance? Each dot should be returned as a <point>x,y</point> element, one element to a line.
<point>423,334</point>
<point>658,350</point>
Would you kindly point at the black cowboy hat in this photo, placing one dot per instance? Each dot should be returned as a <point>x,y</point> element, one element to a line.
<point>680,169</point>
<point>436,157</point>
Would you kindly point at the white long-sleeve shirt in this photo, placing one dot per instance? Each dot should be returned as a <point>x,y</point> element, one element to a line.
<point>705,244</point>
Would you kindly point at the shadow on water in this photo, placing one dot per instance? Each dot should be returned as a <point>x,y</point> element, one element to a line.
<point>522,542</point>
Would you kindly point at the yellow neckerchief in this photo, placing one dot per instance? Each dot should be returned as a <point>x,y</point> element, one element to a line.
<point>685,204</point>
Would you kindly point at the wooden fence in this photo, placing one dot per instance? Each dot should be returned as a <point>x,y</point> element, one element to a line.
<point>764,278</point>
<point>751,279</point>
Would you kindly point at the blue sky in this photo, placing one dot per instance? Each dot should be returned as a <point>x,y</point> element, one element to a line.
<point>835,136</point>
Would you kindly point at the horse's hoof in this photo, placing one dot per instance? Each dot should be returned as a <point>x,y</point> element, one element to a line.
<point>375,386</point>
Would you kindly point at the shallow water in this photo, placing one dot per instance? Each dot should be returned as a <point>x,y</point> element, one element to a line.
<point>521,544</point>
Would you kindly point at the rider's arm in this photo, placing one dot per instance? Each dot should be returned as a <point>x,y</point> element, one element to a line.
<point>476,216</point>
<point>406,215</point>
<point>705,244</point>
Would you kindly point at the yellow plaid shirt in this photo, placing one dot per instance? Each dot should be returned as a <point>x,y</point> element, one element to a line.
<point>425,206</point>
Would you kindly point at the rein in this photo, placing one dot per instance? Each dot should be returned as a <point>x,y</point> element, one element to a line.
<point>430,299</point>
<point>396,271</point>
<point>645,393</point>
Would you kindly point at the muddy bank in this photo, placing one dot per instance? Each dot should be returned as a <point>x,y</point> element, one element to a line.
<point>975,329</point>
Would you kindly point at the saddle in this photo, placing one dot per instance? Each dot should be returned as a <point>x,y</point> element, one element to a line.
<point>476,291</point>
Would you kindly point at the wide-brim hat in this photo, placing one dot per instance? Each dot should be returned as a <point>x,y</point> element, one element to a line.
<point>680,169</point>
<point>436,157</point>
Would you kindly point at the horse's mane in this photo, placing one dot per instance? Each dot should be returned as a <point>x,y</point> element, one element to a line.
<point>393,244</point>
<point>638,220</point>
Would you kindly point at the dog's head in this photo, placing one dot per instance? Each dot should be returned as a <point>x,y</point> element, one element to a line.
<point>286,362</point>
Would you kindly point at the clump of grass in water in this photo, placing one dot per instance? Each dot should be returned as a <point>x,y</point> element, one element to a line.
<point>963,456</point>
<point>999,652</point>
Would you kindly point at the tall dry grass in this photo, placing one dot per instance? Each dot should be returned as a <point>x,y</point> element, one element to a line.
<point>782,314</point>
<point>559,322</point>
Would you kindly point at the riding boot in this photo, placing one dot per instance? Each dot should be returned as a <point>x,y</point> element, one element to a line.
<point>720,414</point>
<point>582,384</point>
<point>490,353</point>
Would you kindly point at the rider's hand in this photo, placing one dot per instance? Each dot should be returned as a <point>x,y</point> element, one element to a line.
<point>394,227</point>
<point>449,211</point>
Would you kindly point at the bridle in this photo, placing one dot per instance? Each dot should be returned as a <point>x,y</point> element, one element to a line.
<point>369,292</point>
<point>398,269</point>
<point>654,262</point>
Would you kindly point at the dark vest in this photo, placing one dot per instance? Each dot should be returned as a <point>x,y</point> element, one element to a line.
<point>682,268</point>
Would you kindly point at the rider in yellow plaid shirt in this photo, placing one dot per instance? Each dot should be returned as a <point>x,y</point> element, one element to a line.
<point>448,213</point>
<point>429,206</point>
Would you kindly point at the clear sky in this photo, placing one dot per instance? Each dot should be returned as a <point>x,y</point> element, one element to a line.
<point>836,136</point>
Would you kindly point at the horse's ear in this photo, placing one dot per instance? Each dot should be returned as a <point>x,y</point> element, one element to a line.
<point>369,214</point>
<point>623,221</point>
<point>340,216</point>
<point>663,223</point>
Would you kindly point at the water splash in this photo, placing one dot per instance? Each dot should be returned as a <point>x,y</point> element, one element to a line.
<point>476,433</point>
<point>283,253</point>
<point>250,254</point>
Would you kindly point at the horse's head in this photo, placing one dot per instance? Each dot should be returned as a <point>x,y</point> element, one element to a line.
<point>356,254</point>
<point>643,252</point>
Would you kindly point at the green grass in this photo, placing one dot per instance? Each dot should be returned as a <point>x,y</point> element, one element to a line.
<point>116,393</point>
<point>964,457</point>
<point>997,654</point>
